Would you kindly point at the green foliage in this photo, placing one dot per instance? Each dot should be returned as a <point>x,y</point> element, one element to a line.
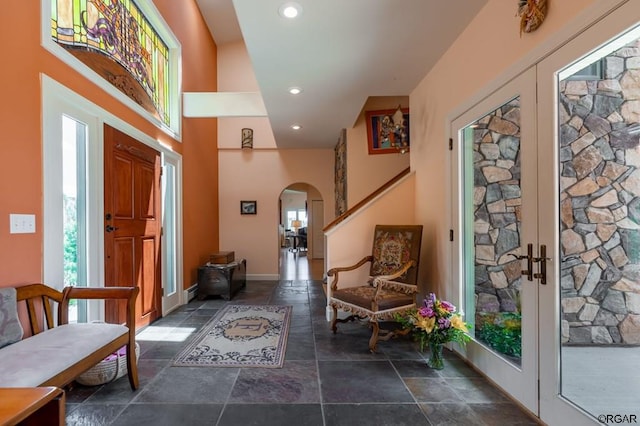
<point>501,331</point>
<point>70,242</point>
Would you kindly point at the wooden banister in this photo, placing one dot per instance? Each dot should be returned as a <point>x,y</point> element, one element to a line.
<point>368,198</point>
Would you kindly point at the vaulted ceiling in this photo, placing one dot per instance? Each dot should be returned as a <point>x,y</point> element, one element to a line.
<point>339,52</point>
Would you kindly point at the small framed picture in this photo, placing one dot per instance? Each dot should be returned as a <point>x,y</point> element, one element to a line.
<point>248,207</point>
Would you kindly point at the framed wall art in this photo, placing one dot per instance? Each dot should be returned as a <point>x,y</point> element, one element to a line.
<point>388,131</point>
<point>248,207</point>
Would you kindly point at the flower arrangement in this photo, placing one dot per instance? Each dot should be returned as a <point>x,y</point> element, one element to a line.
<point>435,322</point>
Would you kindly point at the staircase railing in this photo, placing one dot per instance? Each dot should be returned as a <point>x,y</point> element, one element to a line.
<point>366,200</point>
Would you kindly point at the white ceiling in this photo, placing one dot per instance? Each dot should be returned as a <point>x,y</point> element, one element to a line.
<point>340,52</point>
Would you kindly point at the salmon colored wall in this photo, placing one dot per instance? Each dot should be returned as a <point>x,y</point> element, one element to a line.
<point>479,58</point>
<point>199,144</point>
<point>352,239</point>
<point>265,171</point>
<point>21,177</point>
<point>366,173</point>
<point>262,175</point>
<point>235,74</point>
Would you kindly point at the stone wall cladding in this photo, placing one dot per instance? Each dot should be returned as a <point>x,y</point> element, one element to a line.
<point>497,209</point>
<point>600,203</point>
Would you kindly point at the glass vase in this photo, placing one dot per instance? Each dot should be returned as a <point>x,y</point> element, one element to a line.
<point>436,360</point>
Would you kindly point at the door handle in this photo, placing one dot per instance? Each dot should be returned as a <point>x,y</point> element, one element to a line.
<point>542,275</point>
<point>110,228</point>
<point>529,271</point>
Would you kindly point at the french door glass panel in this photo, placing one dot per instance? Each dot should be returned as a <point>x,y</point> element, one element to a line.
<point>590,309</point>
<point>599,232</point>
<point>495,176</point>
<point>492,204</point>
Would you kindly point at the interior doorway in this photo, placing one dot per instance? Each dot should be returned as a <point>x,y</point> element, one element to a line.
<point>300,223</point>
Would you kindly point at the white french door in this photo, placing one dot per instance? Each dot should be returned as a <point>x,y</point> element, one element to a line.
<point>494,175</point>
<point>589,110</point>
<point>547,215</point>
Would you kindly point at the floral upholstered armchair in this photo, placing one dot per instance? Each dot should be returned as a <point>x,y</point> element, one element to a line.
<point>392,283</point>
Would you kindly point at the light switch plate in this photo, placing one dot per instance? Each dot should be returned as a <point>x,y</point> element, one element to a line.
<point>22,223</point>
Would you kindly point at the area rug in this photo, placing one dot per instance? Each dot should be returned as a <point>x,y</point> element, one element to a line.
<point>240,336</point>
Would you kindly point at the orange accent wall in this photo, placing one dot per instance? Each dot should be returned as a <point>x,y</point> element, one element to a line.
<point>199,140</point>
<point>21,189</point>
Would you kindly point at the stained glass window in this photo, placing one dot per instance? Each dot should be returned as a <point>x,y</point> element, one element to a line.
<point>116,30</point>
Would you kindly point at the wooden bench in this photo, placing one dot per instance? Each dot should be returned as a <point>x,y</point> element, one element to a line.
<point>56,355</point>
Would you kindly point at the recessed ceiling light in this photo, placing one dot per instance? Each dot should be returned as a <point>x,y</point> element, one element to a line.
<point>295,90</point>
<point>296,127</point>
<point>290,10</point>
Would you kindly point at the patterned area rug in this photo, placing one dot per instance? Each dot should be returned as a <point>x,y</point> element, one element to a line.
<point>240,336</point>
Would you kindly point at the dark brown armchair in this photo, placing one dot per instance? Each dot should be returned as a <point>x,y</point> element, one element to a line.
<point>392,283</point>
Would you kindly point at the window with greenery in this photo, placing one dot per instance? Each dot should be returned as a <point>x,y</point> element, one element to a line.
<point>74,204</point>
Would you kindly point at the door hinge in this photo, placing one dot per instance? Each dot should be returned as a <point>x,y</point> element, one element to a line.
<point>450,234</point>
<point>450,144</point>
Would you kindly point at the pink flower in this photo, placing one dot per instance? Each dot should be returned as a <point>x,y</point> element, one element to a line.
<point>426,312</point>
<point>448,306</point>
<point>444,323</point>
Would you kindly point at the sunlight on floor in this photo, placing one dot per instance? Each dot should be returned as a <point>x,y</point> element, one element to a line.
<point>165,334</point>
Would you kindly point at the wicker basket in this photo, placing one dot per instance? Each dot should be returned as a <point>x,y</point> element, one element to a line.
<point>109,369</point>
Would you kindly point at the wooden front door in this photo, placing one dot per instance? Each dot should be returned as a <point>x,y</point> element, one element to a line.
<point>132,224</point>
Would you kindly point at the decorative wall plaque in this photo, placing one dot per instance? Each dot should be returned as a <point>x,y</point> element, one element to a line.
<point>531,13</point>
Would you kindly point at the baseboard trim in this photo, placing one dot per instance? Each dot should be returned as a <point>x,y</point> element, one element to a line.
<point>263,277</point>
<point>190,293</point>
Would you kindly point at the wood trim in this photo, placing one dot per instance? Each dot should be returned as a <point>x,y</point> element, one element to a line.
<point>366,200</point>
<point>38,298</point>
<point>32,406</point>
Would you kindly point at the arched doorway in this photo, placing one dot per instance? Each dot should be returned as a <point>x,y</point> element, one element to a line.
<point>301,239</point>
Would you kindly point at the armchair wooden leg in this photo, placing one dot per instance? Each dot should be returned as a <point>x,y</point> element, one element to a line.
<point>334,321</point>
<point>373,342</point>
<point>385,335</point>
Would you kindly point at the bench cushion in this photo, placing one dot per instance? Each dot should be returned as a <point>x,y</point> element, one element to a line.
<point>34,360</point>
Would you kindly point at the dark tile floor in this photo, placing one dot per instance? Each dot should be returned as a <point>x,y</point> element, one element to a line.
<point>326,379</point>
